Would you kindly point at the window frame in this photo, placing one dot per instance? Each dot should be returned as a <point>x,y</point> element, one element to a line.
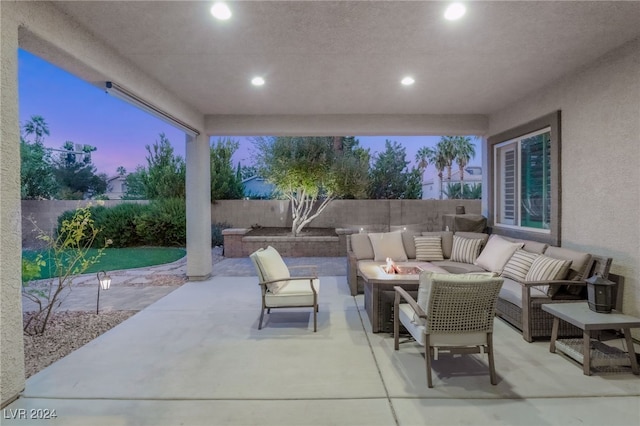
<point>551,236</point>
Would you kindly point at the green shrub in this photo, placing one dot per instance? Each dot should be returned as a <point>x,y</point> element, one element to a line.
<point>164,223</point>
<point>119,224</point>
<point>216,233</point>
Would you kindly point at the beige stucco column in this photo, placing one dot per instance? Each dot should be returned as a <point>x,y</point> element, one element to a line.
<point>198,188</point>
<point>12,379</point>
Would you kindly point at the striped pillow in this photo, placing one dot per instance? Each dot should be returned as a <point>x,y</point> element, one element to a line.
<point>428,248</point>
<point>519,264</point>
<point>545,268</point>
<point>465,250</point>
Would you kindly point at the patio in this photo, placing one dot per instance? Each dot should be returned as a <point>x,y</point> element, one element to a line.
<point>197,357</point>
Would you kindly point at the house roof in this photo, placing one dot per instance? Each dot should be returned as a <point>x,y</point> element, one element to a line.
<point>348,57</point>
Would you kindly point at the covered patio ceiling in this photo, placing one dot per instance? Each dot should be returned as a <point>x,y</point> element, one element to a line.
<point>348,57</point>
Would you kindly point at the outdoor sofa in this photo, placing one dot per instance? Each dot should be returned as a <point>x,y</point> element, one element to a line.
<point>520,263</point>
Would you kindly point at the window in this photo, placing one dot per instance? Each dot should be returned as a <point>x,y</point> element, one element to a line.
<point>525,180</point>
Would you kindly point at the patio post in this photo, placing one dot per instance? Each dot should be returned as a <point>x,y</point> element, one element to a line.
<point>198,196</point>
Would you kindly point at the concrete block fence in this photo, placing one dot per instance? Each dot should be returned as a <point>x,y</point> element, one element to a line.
<point>346,216</point>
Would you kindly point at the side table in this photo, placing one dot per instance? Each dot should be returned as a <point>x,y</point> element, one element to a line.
<point>592,353</point>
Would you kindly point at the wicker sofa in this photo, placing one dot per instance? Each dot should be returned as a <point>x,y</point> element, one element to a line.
<point>520,300</point>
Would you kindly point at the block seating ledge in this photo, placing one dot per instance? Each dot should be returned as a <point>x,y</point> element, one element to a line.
<point>238,244</point>
<point>519,303</point>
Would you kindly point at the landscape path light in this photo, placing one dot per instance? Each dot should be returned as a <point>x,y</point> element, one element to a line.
<point>104,283</point>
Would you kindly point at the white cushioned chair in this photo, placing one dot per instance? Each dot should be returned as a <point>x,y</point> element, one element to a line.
<point>454,313</point>
<point>280,289</point>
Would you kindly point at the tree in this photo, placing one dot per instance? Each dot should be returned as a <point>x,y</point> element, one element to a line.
<point>308,172</point>
<point>447,152</point>
<point>36,126</point>
<point>225,183</point>
<point>424,156</point>
<point>37,180</point>
<point>467,192</point>
<point>36,171</point>
<point>69,254</point>
<point>389,177</point>
<point>77,179</point>
<point>464,152</point>
<point>165,173</point>
<point>134,185</point>
<point>248,171</point>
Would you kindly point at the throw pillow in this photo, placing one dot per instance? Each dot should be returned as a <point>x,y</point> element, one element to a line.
<point>518,266</point>
<point>273,267</point>
<point>496,253</point>
<point>447,241</point>
<point>361,246</point>
<point>428,248</point>
<point>465,250</point>
<point>388,245</point>
<point>545,268</point>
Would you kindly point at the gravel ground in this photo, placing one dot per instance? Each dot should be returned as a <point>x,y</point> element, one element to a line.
<point>69,330</point>
<point>66,332</point>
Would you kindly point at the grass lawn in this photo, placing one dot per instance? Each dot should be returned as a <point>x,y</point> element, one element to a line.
<point>118,258</point>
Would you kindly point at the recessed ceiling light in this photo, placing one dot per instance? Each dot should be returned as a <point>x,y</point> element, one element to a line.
<point>220,11</point>
<point>455,11</point>
<point>257,81</point>
<point>407,81</point>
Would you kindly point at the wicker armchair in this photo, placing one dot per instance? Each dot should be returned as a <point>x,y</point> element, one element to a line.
<point>454,313</point>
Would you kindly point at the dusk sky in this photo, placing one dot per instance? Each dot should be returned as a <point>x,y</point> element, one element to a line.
<point>84,114</point>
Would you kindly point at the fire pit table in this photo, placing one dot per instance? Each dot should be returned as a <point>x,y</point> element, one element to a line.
<point>378,282</point>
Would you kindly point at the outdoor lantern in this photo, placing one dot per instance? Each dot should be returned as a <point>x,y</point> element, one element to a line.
<point>104,282</point>
<point>600,294</point>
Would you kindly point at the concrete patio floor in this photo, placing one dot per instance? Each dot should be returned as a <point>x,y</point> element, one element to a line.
<point>196,357</point>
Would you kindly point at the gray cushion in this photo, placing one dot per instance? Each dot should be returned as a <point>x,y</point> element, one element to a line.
<point>579,261</point>
<point>530,246</point>
<point>497,253</point>
<point>388,245</point>
<point>361,246</point>
<point>409,244</point>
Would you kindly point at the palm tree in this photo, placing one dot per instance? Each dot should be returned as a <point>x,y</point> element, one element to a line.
<point>447,151</point>
<point>440,161</point>
<point>36,126</point>
<point>464,151</point>
<point>423,157</point>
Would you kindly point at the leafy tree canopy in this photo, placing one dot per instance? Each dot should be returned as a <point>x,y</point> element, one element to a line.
<point>312,170</point>
<point>226,184</point>
<point>389,176</point>
<point>165,174</point>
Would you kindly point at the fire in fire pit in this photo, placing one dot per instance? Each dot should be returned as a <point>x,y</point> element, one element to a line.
<point>392,268</point>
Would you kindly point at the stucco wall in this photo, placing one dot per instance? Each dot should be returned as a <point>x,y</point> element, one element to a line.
<point>600,153</point>
<point>12,348</point>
